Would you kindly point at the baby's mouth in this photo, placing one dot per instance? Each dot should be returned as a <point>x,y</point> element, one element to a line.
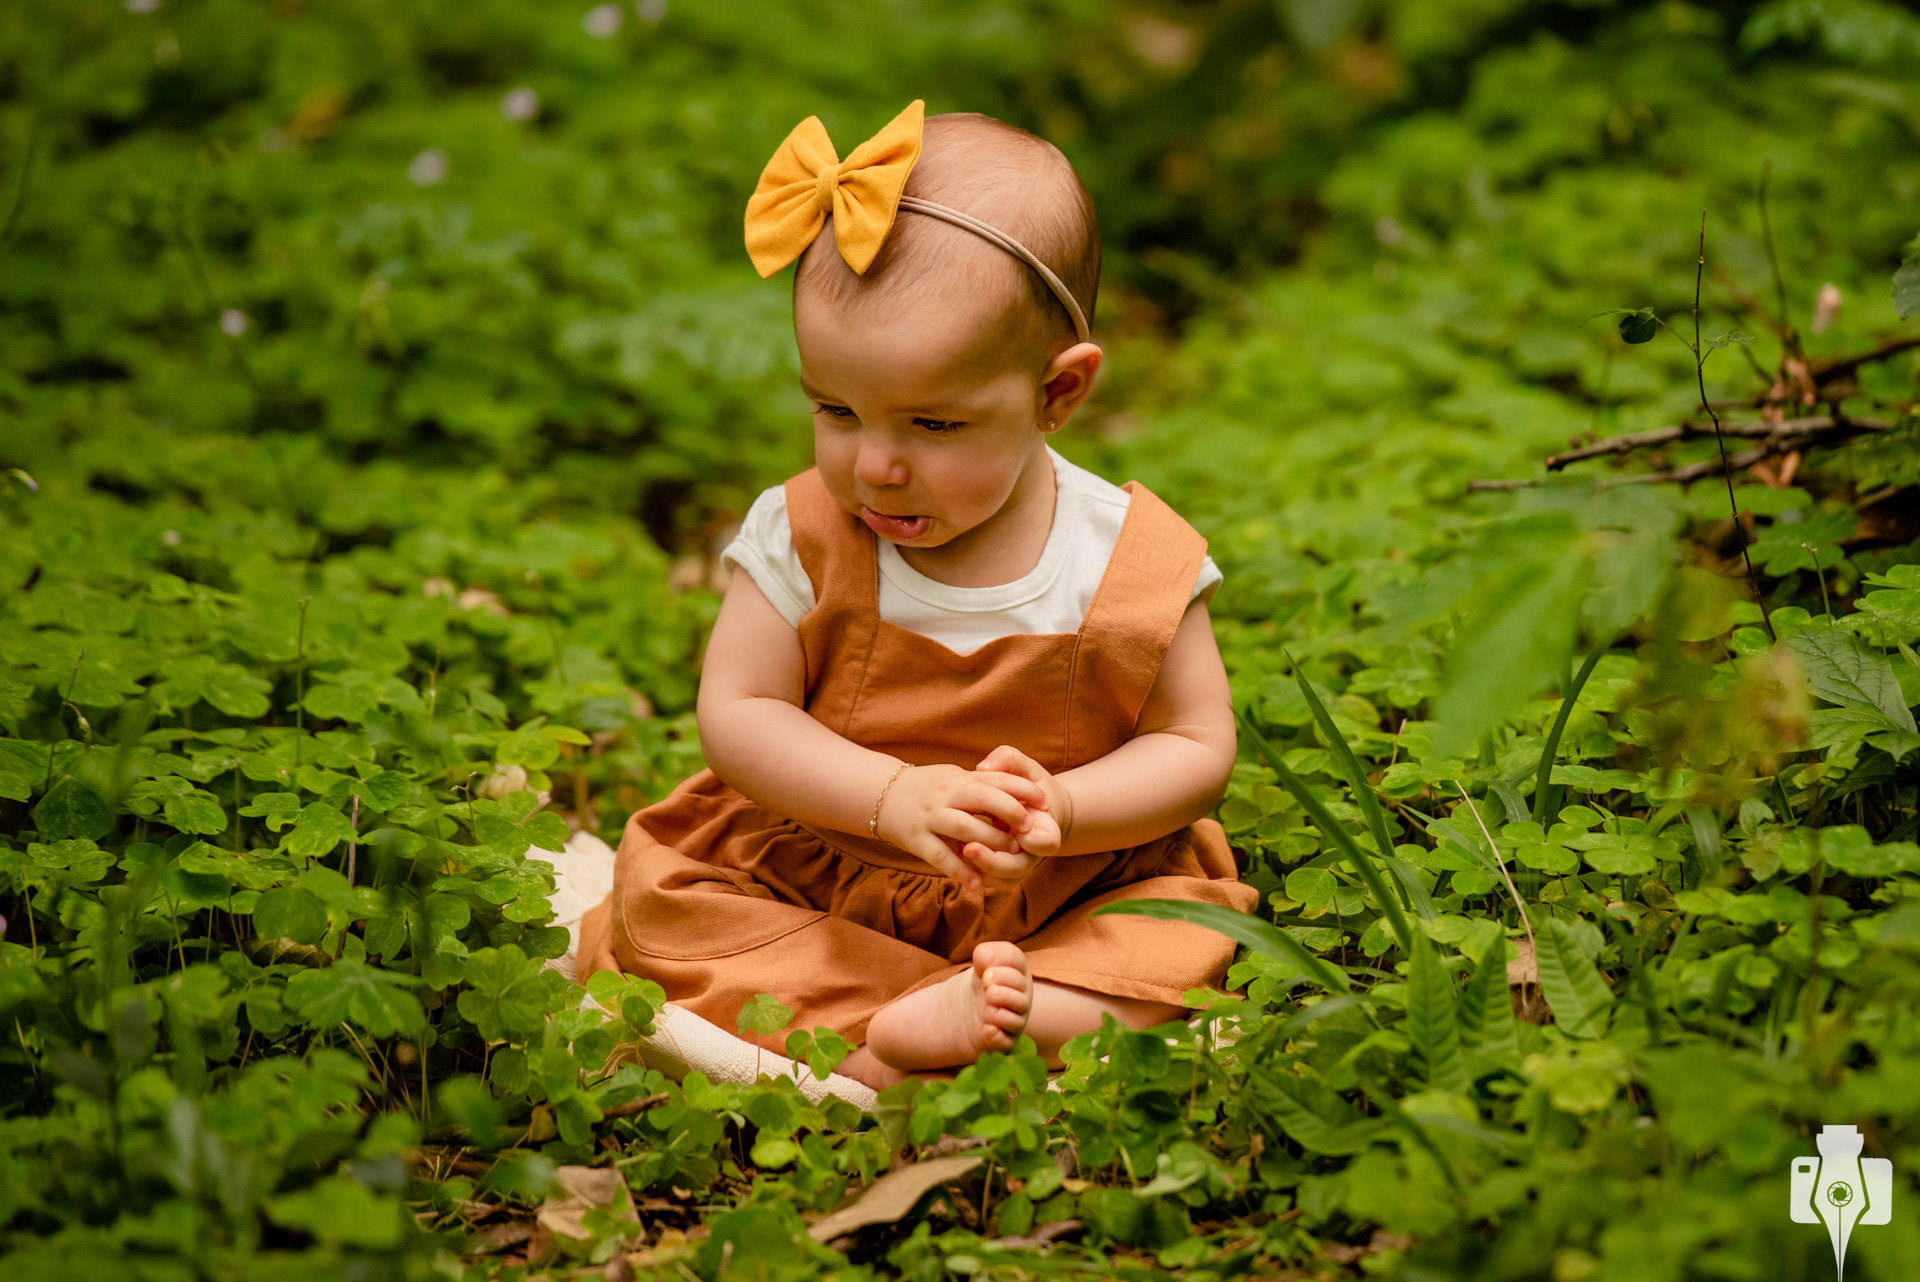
<point>895,527</point>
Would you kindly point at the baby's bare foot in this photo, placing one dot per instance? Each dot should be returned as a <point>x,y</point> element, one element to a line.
<point>979,1010</point>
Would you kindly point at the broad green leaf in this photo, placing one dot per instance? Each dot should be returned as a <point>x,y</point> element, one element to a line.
<point>1616,854</point>
<point>1843,669</point>
<point>196,812</point>
<point>320,828</point>
<point>1290,1103</point>
<point>1573,988</point>
<point>763,1014</point>
<point>338,1210</point>
<point>1313,887</point>
<point>1639,326</point>
<point>23,768</point>
<point>508,998</point>
<point>385,790</point>
<point>1435,1060</point>
<point>72,809</point>
<point>290,913</point>
<point>1240,927</point>
<point>1486,1008</point>
<point>76,859</point>
<point>278,808</point>
<point>1513,645</point>
<point>1812,543</point>
<point>1891,607</point>
<point>377,1000</point>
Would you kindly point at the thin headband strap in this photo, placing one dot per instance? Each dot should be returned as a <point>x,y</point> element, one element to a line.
<point>1013,247</point>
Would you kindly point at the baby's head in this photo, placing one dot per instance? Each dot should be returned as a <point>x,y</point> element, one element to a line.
<point>938,373</point>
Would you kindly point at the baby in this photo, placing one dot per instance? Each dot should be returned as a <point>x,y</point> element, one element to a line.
<point>965,692</point>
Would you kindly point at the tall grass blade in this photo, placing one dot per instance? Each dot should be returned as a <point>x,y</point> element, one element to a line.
<point>1546,797</point>
<point>1412,890</point>
<point>1258,935</point>
<point>1389,903</point>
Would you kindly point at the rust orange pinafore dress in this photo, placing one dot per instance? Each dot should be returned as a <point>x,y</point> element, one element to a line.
<point>716,898</point>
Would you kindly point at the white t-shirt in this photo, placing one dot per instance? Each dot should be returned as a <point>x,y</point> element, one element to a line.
<point>1052,597</point>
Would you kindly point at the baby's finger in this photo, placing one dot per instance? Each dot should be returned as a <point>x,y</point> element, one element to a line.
<point>1043,838</point>
<point>1026,791</point>
<point>1009,758</point>
<point>996,865</point>
<point>964,826</point>
<point>940,856</point>
<point>1009,807</point>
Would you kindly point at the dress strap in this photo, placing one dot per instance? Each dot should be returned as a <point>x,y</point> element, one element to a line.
<point>1135,611</point>
<point>836,551</point>
<point>838,635</point>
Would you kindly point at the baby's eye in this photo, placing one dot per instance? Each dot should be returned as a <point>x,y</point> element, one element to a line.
<point>838,411</point>
<point>939,426</point>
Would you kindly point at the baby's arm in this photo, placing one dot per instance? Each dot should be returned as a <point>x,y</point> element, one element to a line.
<point>757,735</point>
<point>1175,768</point>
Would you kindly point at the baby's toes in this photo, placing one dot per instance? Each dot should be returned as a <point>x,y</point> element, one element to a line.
<point>1005,1008</point>
<point>1009,988</point>
<point>999,953</point>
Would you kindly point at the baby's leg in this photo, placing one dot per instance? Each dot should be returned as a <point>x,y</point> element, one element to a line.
<point>1061,1013</point>
<point>985,1009</point>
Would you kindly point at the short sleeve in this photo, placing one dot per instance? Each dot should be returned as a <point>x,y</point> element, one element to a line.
<point>764,549</point>
<point>1206,582</point>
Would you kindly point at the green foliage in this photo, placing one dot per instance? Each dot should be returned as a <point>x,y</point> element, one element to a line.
<point>377,380</point>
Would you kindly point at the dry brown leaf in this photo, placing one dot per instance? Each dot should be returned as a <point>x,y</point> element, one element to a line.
<point>1523,969</point>
<point>498,1237</point>
<point>893,1195</point>
<point>671,1243</point>
<point>582,1189</point>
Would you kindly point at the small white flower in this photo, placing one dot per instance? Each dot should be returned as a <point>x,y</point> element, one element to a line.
<point>233,322</point>
<point>142,6</point>
<point>650,11</point>
<point>1388,230</point>
<point>603,20</point>
<point>171,538</point>
<point>428,168</point>
<point>274,140</point>
<point>520,104</point>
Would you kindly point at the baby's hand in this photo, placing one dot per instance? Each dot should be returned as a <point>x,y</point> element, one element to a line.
<point>1044,828</point>
<point>934,811</point>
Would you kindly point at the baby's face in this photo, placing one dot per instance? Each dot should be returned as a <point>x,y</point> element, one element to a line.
<point>923,424</point>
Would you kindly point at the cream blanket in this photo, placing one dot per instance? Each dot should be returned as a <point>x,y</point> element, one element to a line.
<point>682,1041</point>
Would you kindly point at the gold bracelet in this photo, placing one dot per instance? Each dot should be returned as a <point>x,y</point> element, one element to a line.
<point>873,824</point>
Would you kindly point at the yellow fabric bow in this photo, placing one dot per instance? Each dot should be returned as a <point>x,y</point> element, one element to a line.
<point>805,181</point>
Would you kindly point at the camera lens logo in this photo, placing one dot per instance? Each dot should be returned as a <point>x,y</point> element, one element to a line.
<point>1841,1189</point>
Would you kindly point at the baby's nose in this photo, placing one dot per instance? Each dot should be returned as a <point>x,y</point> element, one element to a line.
<point>879,463</point>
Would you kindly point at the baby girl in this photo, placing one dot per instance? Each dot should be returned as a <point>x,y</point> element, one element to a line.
<point>965,692</point>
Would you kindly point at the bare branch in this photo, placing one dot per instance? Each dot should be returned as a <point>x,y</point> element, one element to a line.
<point>1657,435</point>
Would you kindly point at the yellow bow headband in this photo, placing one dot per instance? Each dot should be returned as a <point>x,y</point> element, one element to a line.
<point>805,181</point>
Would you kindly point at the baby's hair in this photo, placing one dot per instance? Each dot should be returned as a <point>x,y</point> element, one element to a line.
<point>1006,177</point>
